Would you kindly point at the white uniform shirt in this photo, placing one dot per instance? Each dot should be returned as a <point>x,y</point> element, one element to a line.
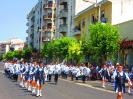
<point>121,73</point>
<point>57,69</point>
<point>50,69</point>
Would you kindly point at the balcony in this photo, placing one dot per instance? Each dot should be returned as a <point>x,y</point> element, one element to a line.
<point>63,13</point>
<point>47,17</point>
<point>27,24</point>
<point>26,38</point>
<point>77,31</point>
<point>27,31</point>
<point>46,39</point>
<point>32,36</point>
<point>63,28</point>
<point>63,2</point>
<point>31,44</point>
<point>47,28</point>
<point>49,6</point>
<point>102,20</point>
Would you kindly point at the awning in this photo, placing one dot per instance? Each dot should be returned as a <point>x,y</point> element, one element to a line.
<point>127,44</point>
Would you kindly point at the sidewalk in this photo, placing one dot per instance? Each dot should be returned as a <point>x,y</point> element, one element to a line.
<point>94,84</point>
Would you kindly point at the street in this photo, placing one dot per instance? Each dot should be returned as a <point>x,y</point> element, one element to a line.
<point>63,90</point>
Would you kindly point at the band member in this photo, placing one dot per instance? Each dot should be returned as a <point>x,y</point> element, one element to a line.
<point>40,79</point>
<point>104,74</point>
<point>16,67</point>
<point>22,69</point>
<point>26,75</point>
<point>50,71</point>
<point>33,82</point>
<point>29,74</point>
<point>120,78</point>
<point>57,71</point>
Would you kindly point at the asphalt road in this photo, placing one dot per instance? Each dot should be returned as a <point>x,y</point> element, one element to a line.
<point>63,90</point>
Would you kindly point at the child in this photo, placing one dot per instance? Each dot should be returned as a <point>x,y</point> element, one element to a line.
<point>120,78</point>
<point>40,79</point>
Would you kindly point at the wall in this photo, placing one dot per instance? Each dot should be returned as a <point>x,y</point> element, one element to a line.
<point>121,11</point>
<point>86,15</point>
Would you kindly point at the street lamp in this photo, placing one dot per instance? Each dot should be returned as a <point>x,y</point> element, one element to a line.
<point>96,5</point>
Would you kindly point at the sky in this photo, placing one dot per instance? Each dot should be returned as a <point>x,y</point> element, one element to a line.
<point>13,20</point>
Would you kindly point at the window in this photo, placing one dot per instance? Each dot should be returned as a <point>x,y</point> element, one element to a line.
<point>38,21</point>
<point>49,15</point>
<point>49,2</point>
<point>49,25</point>
<point>94,19</point>
<point>102,14</point>
<point>83,23</point>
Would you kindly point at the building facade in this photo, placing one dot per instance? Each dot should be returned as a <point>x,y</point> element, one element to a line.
<point>41,24</point>
<point>65,12</point>
<point>34,25</point>
<point>11,45</point>
<point>116,12</point>
<point>48,20</point>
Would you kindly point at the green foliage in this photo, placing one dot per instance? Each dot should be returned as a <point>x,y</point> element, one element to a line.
<point>104,40</point>
<point>17,54</point>
<point>58,49</point>
<point>101,44</point>
<point>74,51</point>
<point>26,53</point>
<point>8,56</point>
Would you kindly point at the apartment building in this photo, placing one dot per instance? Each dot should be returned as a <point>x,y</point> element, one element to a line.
<point>116,12</point>
<point>34,25</point>
<point>41,24</point>
<point>65,12</point>
<point>48,20</point>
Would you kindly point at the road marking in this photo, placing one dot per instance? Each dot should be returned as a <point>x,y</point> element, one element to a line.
<point>89,86</point>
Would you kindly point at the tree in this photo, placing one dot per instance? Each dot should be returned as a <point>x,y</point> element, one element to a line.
<point>47,51</point>
<point>27,53</point>
<point>8,55</point>
<point>57,50</point>
<point>75,52</point>
<point>62,46</point>
<point>17,54</point>
<point>104,41</point>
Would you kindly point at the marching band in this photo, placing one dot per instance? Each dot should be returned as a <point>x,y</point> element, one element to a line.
<point>34,75</point>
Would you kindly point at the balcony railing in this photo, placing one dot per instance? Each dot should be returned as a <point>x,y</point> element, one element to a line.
<point>63,13</point>
<point>27,24</point>
<point>47,17</point>
<point>27,31</point>
<point>63,28</point>
<point>31,36</point>
<point>102,20</point>
<point>47,28</point>
<point>63,2</point>
<point>45,39</point>
<point>49,6</point>
<point>77,31</point>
